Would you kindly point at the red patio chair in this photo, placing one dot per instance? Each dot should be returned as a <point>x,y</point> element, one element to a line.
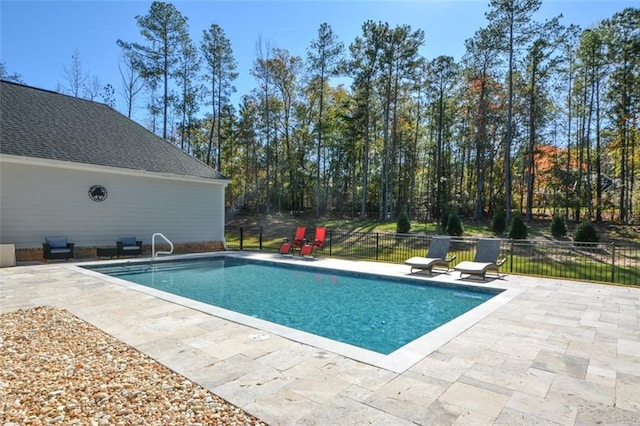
<point>318,242</point>
<point>298,241</point>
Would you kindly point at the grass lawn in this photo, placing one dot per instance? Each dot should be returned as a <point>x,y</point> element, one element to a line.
<point>541,255</point>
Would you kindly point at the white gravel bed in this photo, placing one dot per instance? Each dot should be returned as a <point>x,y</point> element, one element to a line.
<point>56,368</point>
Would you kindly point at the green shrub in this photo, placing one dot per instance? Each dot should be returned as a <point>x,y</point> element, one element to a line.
<point>444,220</point>
<point>518,229</point>
<point>403,226</point>
<point>586,232</point>
<point>558,226</point>
<point>498,222</point>
<point>454,225</point>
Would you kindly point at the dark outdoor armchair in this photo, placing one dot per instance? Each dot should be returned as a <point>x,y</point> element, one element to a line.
<point>57,248</point>
<point>128,246</point>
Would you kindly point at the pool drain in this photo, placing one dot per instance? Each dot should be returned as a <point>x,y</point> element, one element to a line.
<point>259,337</point>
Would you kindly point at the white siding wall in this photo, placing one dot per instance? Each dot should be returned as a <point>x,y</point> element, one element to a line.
<point>38,201</point>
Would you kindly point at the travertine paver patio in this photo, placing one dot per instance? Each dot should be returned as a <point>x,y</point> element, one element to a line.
<point>559,352</point>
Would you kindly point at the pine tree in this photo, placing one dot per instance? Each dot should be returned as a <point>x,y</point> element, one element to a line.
<point>165,31</point>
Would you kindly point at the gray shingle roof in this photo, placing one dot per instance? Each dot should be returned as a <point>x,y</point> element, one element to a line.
<point>43,124</point>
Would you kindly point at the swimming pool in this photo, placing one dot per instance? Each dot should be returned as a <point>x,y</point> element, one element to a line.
<point>380,315</point>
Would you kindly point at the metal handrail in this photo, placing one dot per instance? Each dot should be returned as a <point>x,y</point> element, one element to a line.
<point>154,255</point>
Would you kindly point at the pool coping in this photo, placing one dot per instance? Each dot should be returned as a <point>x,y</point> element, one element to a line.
<point>398,361</point>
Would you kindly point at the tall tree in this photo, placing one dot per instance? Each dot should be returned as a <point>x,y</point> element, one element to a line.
<point>363,66</point>
<point>165,31</point>
<point>400,61</point>
<point>512,18</point>
<point>623,51</point>
<point>74,76</point>
<point>186,74</point>
<point>131,82</point>
<point>4,74</point>
<point>323,57</point>
<point>480,66</point>
<point>443,74</point>
<point>262,72</point>
<point>109,95</point>
<point>285,69</point>
<point>541,61</point>
<point>219,76</point>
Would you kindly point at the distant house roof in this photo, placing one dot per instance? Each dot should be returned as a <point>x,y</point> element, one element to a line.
<point>48,125</point>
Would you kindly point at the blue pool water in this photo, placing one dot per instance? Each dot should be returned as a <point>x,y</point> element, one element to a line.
<point>381,315</point>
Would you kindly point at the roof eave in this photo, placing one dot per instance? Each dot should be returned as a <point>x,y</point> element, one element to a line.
<point>69,165</point>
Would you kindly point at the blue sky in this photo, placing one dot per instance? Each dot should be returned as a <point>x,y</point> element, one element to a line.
<point>39,37</point>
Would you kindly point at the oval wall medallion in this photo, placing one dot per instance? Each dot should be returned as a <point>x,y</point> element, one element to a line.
<point>98,193</point>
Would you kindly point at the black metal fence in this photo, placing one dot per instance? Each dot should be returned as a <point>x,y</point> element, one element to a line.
<point>595,262</point>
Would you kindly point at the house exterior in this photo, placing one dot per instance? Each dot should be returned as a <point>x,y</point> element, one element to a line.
<point>76,168</point>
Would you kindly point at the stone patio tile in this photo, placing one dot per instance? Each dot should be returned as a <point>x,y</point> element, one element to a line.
<point>218,372</point>
<point>623,365</point>
<point>439,413</point>
<point>600,375</point>
<point>557,411</point>
<point>517,326</point>
<point>509,375</point>
<point>536,382</point>
<point>134,336</point>
<point>629,347</point>
<point>232,347</point>
<point>510,417</point>
<point>603,415</point>
<point>363,375</point>
<point>473,353</point>
<point>357,393</point>
<point>345,411</point>
<point>606,337</point>
<point>630,322</point>
<point>389,420</point>
<point>628,392</point>
<point>257,348</point>
<point>472,418</point>
<point>282,408</point>
<point>599,324</point>
<point>559,363</point>
<point>586,349</point>
<point>474,399</point>
<point>288,356</point>
<point>449,371</point>
<point>526,347</point>
<point>183,358</point>
<point>492,387</point>
<point>406,397</point>
<point>257,384</point>
<point>632,334</point>
<point>553,320</point>
<point>481,335</point>
<point>581,390</point>
<point>568,334</point>
<point>319,388</point>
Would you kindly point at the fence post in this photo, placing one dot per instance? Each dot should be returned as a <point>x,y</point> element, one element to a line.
<point>377,244</point>
<point>613,261</point>
<point>260,238</point>
<point>511,255</point>
<point>241,238</point>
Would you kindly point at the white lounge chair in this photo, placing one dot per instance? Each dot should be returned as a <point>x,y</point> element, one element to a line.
<point>436,256</point>
<point>486,259</point>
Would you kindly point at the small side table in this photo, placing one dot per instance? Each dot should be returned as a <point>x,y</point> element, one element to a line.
<point>109,252</point>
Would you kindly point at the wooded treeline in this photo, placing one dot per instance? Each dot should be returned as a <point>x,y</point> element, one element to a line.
<point>537,116</point>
